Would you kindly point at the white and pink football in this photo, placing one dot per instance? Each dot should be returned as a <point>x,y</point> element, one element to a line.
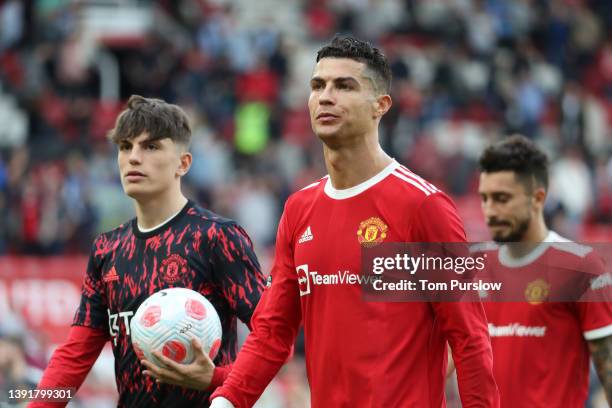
<point>169,319</point>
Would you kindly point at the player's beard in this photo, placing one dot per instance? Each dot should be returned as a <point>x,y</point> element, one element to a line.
<point>516,234</point>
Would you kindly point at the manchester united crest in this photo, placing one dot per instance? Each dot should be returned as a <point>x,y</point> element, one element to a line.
<point>372,231</point>
<point>173,268</point>
<point>537,291</point>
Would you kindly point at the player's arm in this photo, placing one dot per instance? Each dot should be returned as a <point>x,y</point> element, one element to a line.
<point>463,323</point>
<point>242,274</point>
<point>596,322</point>
<point>274,328</point>
<point>450,368</point>
<point>236,270</point>
<point>601,352</point>
<point>72,361</point>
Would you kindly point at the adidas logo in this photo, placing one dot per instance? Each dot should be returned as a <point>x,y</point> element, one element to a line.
<point>111,276</point>
<point>306,236</point>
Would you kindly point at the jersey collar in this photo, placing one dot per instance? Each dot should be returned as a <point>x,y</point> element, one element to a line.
<point>359,188</point>
<point>147,233</point>
<point>509,261</point>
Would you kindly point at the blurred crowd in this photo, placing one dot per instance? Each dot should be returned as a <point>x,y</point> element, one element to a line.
<point>466,72</point>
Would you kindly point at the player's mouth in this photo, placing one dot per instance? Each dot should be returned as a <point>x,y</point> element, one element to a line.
<point>326,117</point>
<point>134,176</point>
<point>497,222</point>
<point>498,228</point>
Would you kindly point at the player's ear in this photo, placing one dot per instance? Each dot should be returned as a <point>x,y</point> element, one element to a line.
<point>382,105</point>
<point>184,164</point>
<point>539,196</point>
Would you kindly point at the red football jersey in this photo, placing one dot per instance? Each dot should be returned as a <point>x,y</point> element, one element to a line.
<point>358,353</point>
<point>540,351</point>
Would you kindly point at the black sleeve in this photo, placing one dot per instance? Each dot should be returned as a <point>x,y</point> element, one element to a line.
<point>236,269</point>
<point>92,311</point>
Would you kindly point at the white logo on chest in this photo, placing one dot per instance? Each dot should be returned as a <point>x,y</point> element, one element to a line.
<point>306,236</point>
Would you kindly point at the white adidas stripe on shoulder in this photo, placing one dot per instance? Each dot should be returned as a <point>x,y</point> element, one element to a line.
<point>427,185</point>
<point>567,245</point>
<point>411,181</point>
<point>484,246</point>
<point>316,183</point>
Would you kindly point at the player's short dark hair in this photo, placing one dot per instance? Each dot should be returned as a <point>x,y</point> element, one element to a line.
<point>364,52</point>
<point>154,116</point>
<point>519,155</point>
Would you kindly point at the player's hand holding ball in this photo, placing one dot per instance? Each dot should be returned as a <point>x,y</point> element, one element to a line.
<point>176,334</point>
<point>196,375</point>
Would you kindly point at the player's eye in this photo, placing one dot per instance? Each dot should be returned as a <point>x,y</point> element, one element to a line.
<point>152,146</point>
<point>124,146</point>
<point>315,86</point>
<point>502,198</point>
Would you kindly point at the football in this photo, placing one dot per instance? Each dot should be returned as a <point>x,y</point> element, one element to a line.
<point>167,321</point>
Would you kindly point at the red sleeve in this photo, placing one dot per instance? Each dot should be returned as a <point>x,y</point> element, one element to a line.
<point>275,324</point>
<point>465,327</point>
<point>220,374</point>
<point>463,323</point>
<point>72,361</point>
<point>436,220</point>
<point>596,317</point>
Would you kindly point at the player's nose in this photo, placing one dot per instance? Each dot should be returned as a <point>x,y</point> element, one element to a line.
<point>488,209</point>
<point>327,96</point>
<point>135,156</point>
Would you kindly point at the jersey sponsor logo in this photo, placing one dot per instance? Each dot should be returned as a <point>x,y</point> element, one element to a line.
<point>306,236</point>
<point>372,231</point>
<point>113,323</point>
<point>173,267</point>
<point>306,278</point>
<point>516,330</point>
<point>111,276</point>
<point>537,291</point>
<point>303,279</point>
